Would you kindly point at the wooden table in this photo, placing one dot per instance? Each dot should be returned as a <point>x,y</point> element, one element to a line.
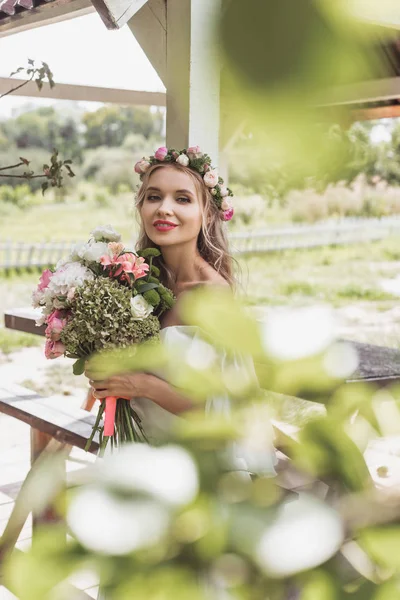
<point>377,364</point>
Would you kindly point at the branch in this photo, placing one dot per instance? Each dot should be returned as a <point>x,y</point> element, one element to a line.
<point>17,87</point>
<point>12,166</point>
<point>21,176</point>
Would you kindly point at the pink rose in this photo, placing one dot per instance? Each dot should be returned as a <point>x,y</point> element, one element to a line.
<point>161,153</point>
<point>45,279</point>
<point>194,152</point>
<point>142,166</point>
<point>211,178</point>
<point>227,214</point>
<point>54,349</point>
<point>206,167</point>
<point>56,322</point>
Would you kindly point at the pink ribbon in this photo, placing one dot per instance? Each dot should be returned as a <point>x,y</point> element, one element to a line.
<point>109,415</point>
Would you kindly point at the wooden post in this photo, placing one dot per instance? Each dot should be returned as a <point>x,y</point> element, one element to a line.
<point>193,75</point>
<point>39,443</point>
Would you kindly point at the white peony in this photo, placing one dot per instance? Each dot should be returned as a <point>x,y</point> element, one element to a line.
<point>71,275</point>
<point>225,204</point>
<point>106,233</point>
<point>141,309</point>
<point>183,160</point>
<point>223,190</point>
<point>93,251</point>
<point>211,178</point>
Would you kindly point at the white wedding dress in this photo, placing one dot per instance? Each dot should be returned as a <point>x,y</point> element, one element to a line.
<point>187,343</point>
<point>248,457</point>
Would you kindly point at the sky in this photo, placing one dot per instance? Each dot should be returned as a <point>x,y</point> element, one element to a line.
<point>79,51</point>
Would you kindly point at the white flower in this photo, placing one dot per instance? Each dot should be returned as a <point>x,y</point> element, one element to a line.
<point>106,233</point>
<point>183,160</point>
<point>211,178</point>
<point>223,190</point>
<point>225,204</point>
<point>93,251</point>
<point>71,275</point>
<point>141,309</point>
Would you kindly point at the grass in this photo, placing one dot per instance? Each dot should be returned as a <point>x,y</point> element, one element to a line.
<point>336,275</point>
<point>14,340</point>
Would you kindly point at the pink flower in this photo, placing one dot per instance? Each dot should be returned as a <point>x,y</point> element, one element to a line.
<point>129,263</point>
<point>194,152</point>
<point>54,349</point>
<point>55,324</point>
<point>211,178</point>
<point>116,247</point>
<point>126,263</point>
<point>142,166</point>
<point>161,153</point>
<point>225,204</point>
<point>227,214</point>
<point>45,279</point>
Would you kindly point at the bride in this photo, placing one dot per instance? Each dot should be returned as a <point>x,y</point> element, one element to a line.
<point>182,206</point>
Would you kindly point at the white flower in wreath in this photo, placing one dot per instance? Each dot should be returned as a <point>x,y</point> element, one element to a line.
<point>106,233</point>
<point>223,190</point>
<point>183,160</point>
<point>140,308</point>
<point>211,178</point>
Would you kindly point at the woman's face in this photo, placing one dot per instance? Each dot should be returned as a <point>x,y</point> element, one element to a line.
<point>171,211</point>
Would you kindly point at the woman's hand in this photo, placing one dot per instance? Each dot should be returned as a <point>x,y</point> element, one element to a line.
<point>125,385</point>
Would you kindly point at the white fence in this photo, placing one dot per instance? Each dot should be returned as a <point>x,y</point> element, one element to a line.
<point>21,255</point>
<point>329,233</point>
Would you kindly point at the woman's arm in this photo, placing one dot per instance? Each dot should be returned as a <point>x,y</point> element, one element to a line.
<point>138,385</point>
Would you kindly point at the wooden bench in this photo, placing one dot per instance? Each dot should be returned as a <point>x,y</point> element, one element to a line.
<point>55,428</point>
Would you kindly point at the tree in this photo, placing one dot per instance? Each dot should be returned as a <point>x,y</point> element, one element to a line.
<point>110,125</point>
<point>54,171</point>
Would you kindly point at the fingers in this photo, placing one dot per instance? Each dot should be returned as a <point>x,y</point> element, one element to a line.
<point>99,385</point>
<point>100,394</point>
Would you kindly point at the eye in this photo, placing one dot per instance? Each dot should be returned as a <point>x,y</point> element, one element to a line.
<point>183,200</point>
<point>153,197</point>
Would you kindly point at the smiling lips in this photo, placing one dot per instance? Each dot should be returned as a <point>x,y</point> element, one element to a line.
<point>164,225</point>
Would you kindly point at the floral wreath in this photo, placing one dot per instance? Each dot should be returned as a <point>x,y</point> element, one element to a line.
<point>195,159</point>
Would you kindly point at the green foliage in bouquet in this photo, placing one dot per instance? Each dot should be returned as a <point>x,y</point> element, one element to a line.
<point>103,318</point>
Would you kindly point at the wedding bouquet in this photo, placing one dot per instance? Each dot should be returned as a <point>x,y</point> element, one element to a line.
<point>102,297</point>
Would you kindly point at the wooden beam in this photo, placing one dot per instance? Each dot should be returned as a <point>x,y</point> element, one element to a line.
<point>366,91</point>
<point>116,13</point>
<point>376,112</point>
<point>86,93</point>
<point>193,75</point>
<point>45,14</point>
<point>149,26</point>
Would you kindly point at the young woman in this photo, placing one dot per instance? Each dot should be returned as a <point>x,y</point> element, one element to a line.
<point>182,205</point>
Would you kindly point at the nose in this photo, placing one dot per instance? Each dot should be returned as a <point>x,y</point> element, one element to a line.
<point>166,206</point>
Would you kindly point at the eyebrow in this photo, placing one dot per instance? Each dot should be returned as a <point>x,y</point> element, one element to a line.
<point>156,189</point>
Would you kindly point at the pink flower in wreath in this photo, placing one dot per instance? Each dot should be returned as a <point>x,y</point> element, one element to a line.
<point>211,178</point>
<point>227,214</point>
<point>194,152</point>
<point>142,166</point>
<point>161,153</point>
<point>54,349</point>
<point>44,280</point>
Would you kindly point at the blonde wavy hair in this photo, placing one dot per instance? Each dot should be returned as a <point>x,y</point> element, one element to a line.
<point>212,242</point>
